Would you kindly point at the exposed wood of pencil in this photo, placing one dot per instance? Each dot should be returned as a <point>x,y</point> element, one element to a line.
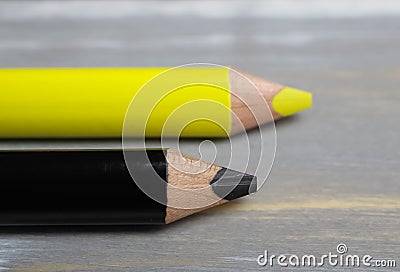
<point>249,108</point>
<point>195,175</point>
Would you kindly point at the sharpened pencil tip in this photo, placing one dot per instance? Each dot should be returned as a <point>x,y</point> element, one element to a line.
<point>230,184</point>
<point>253,186</point>
<point>290,101</point>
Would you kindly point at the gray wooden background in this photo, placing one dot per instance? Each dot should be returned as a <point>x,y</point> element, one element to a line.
<point>336,174</point>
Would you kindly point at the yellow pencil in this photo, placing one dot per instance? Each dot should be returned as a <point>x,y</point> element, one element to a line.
<point>95,102</point>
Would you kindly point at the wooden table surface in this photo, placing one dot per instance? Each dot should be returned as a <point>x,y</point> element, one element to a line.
<point>336,174</point>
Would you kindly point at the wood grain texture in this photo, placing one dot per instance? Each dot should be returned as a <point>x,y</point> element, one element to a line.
<point>180,177</point>
<point>251,101</point>
<point>336,174</point>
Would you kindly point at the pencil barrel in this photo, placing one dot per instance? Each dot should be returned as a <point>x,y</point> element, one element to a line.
<point>114,102</point>
<point>77,188</point>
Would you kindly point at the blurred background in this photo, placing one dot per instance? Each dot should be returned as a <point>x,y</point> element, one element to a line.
<point>280,37</point>
<point>335,177</point>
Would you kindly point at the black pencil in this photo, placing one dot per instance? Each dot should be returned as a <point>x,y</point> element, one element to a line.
<point>95,187</point>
